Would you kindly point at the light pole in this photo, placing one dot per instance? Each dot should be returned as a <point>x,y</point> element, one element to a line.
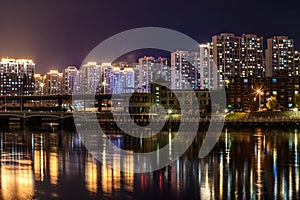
<point>5,102</point>
<point>104,84</point>
<point>42,87</point>
<point>259,92</point>
<point>259,100</point>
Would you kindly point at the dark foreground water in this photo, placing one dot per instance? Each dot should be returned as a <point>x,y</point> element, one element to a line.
<point>245,164</point>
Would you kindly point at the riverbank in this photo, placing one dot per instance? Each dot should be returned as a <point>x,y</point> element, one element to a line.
<point>36,120</point>
<point>264,116</point>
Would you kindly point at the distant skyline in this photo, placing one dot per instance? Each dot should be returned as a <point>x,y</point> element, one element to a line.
<point>60,33</point>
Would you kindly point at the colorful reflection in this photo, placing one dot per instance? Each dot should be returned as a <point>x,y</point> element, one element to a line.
<point>53,165</point>
<point>246,164</point>
<point>91,174</point>
<point>17,180</point>
<point>39,159</point>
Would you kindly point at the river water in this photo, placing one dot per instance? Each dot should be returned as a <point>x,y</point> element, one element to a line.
<point>255,163</point>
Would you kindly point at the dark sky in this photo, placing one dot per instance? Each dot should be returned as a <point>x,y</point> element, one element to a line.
<point>57,33</point>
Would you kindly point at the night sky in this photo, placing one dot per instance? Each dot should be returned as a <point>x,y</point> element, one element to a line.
<point>57,33</point>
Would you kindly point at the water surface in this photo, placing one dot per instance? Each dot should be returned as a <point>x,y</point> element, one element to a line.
<point>245,164</point>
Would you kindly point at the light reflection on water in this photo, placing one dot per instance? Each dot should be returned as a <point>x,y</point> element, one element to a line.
<point>244,164</point>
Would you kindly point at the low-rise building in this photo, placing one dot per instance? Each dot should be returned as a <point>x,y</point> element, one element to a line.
<point>247,93</point>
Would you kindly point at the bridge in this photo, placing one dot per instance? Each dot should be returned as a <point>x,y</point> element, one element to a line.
<point>108,117</point>
<point>55,97</point>
<point>27,114</point>
<point>18,102</point>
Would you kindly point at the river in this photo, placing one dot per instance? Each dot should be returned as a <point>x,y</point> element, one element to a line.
<point>255,163</point>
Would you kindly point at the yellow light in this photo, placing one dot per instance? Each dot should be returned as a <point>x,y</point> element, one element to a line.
<point>25,60</point>
<point>91,63</point>
<point>7,60</point>
<point>129,175</point>
<point>91,175</point>
<point>53,168</point>
<point>17,180</point>
<point>53,72</point>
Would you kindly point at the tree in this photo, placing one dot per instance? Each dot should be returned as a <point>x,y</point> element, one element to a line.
<point>297,100</point>
<point>272,103</point>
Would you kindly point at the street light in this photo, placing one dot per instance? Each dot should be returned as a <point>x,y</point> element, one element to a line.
<point>5,102</point>
<point>259,92</point>
<point>104,84</point>
<point>42,87</point>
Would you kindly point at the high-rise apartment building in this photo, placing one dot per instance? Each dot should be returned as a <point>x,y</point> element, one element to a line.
<point>128,80</point>
<point>53,83</point>
<point>296,63</point>
<point>226,55</point>
<point>238,56</point>
<point>150,69</point>
<point>184,70</point>
<point>207,69</point>
<point>145,73</point>
<point>163,68</point>
<point>17,76</point>
<point>122,80</point>
<point>89,79</point>
<point>117,81</point>
<point>280,56</point>
<point>38,84</point>
<point>106,78</point>
<point>195,77</point>
<point>69,78</point>
<point>252,59</point>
